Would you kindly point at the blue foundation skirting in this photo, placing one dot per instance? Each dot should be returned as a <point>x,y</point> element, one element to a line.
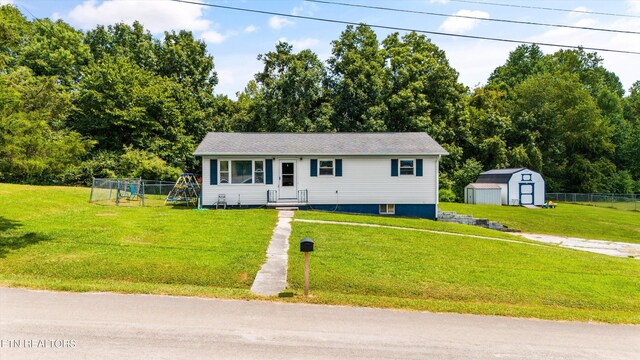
<point>424,211</point>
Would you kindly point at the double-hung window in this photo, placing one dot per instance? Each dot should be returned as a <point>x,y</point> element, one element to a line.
<point>407,167</point>
<point>326,167</point>
<point>241,172</point>
<point>258,172</point>
<point>224,171</point>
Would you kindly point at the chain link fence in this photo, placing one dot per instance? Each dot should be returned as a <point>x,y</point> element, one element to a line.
<point>618,201</point>
<point>130,192</point>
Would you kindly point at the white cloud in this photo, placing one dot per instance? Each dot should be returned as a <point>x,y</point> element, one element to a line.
<point>438,1</point>
<point>157,17</point>
<point>6,2</point>
<point>235,71</point>
<point>251,28</point>
<point>213,37</point>
<point>461,25</point>
<point>634,6</point>
<point>475,70</point>
<point>297,10</point>
<point>278,22</point>
<point>307,9</point>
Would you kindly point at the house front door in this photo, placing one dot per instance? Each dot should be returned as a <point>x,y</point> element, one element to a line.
<point>288,182</point>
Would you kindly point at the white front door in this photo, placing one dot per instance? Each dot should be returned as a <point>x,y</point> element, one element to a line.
<point>288,183</point>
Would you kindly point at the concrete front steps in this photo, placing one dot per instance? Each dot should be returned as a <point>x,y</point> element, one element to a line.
<point>453,217</point>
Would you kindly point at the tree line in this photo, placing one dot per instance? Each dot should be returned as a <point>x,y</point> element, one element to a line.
<point>116,101</point>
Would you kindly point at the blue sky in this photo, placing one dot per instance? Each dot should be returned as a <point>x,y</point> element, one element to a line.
<point>236,38</point>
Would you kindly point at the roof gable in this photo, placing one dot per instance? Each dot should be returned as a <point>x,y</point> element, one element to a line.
<point>230,143</point>
<point>499,176</point>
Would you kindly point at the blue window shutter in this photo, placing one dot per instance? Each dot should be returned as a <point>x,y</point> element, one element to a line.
<point>314,167</point>
<point>394,167</point>
<point>338,167</point>
<point>269,171</point>
<point>213,172</point>
<point>418,167</point>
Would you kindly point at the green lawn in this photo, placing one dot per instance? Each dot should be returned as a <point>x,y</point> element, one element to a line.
<point>587,222</point>
<point>404,269</point>
<point>51,237</point>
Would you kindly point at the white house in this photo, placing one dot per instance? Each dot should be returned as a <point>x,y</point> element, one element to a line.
<point>519,186</point>
<point>374,173</point>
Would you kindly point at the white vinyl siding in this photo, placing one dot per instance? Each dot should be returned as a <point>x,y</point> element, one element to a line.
<point>364,180</point>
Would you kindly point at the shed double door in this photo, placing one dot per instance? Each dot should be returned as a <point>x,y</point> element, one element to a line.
<point>526,193</point>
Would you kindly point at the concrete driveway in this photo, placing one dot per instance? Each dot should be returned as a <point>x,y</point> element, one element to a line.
<point>113,326</point>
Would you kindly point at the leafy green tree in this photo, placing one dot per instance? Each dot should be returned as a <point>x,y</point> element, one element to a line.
<point>632,104</point>
<point>465,175</point>
<point>289,95</point>
<point>120,104</point>
<point>34,146</point>
<point>143,164</point>
<point>185,60</point>
<point>358,81</point>
<point>54,49</point>
<point>424,92</point>
<point>557,116</point>
<point>131,41</point>
<point>178,61</point>
<point>489,128</point>
<point>14,29</point>
<point>524,61</point>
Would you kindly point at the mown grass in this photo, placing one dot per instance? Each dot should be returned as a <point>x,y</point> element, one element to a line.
<point>405,222</point>
<point>51,237</point>
<point>587,222</point>
<point>382,267</point>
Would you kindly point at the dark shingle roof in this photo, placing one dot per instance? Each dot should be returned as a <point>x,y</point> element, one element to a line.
<point>499,176</point>
<point>414,143</point>
<point>502,171</point>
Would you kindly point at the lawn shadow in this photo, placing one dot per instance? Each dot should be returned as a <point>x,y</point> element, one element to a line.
<point>10,241</point>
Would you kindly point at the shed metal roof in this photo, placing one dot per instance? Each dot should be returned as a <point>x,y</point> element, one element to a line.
<point>484,186</point>
<point>230,143</point>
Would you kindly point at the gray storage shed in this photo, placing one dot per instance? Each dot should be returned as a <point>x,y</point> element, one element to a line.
<point>483,193</point>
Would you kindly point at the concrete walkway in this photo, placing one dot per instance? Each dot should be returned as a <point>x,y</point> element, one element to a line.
<point>272,277</point>
<point>604,247</point>
<point>414,229</point>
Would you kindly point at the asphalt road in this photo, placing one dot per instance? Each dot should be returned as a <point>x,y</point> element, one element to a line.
<point>113,326</point>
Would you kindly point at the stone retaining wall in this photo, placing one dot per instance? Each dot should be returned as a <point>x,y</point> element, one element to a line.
<point>453,217</point>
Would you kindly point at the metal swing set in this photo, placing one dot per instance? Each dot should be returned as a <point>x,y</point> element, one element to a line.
<point>185,191</point>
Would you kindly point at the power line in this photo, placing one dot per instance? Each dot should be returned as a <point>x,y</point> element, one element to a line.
<point>544,8</point>
<point>472,17</point>
<point>404,29</point>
